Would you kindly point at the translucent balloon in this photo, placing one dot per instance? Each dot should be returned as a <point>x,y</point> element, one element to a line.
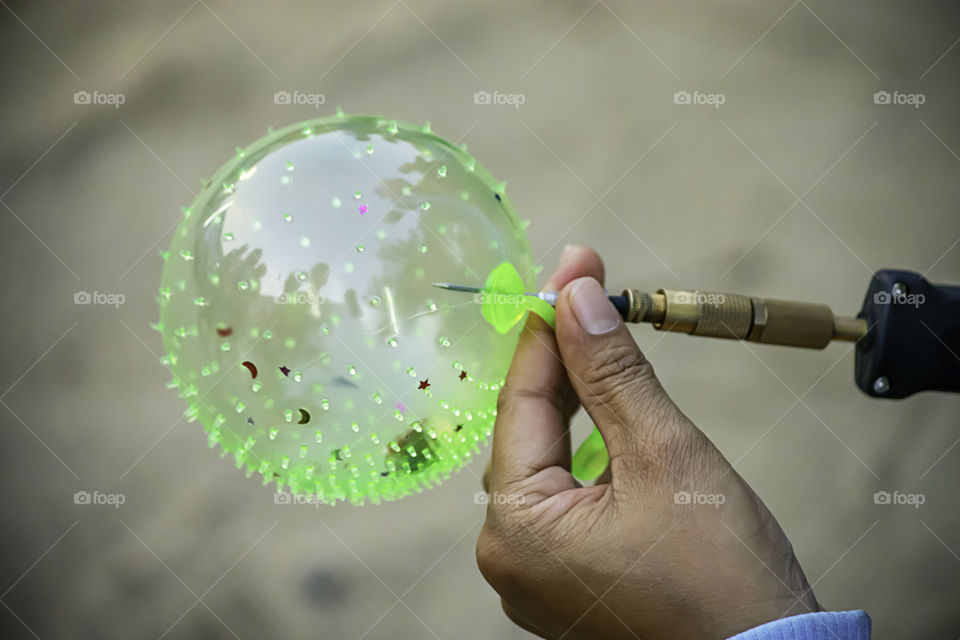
<point>299,321</point>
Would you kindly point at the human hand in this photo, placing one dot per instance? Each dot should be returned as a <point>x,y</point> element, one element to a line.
<point>670,543</point>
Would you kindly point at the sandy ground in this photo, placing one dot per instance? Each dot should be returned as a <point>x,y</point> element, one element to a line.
<point>798,186</point>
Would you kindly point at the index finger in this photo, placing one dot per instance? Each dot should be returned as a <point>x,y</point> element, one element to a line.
<point>536,402</point>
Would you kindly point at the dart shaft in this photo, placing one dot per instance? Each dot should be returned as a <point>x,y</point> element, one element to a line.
<point>621,302</point>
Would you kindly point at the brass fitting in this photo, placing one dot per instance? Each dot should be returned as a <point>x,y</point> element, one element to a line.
<point>738,317</point>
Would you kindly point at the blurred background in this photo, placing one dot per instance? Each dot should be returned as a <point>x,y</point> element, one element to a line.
<point>786,174</point>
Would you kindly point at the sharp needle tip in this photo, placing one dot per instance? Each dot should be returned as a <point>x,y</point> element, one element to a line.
<point>456,287</point>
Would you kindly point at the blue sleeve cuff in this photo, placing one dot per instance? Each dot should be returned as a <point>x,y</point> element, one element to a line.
<point>826,625</point>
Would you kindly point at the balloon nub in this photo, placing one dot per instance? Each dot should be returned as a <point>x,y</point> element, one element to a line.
<point>591,458</point>
<point>504,300</point>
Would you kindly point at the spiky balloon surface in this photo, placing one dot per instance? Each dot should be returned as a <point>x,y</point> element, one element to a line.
<point>298,318</point>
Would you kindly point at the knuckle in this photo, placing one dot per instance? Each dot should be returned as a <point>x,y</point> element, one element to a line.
<point>503,553</point>
<point>616,368</point>
<point>492,559</point>
<point>511,612</point>
<point>512,394</point>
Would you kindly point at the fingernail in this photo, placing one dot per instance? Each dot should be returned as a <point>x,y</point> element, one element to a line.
<point>565,257</point>
<point>593,309</point>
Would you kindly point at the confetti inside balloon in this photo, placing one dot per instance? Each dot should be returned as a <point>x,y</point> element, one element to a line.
<point>305,336</point>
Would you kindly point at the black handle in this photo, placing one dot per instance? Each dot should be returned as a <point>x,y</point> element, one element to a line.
<point>913,338</point>
<point>622,305</point>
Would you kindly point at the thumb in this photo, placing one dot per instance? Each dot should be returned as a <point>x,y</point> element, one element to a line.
<point>613,379</point>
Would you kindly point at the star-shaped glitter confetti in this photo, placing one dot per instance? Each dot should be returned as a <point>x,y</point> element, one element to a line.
<point>463,375</point>
<point>285,370</point>
<point>362,208</point>
<point>424,384</point>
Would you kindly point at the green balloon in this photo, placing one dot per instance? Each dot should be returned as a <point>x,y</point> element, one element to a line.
<point>298,318</point>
